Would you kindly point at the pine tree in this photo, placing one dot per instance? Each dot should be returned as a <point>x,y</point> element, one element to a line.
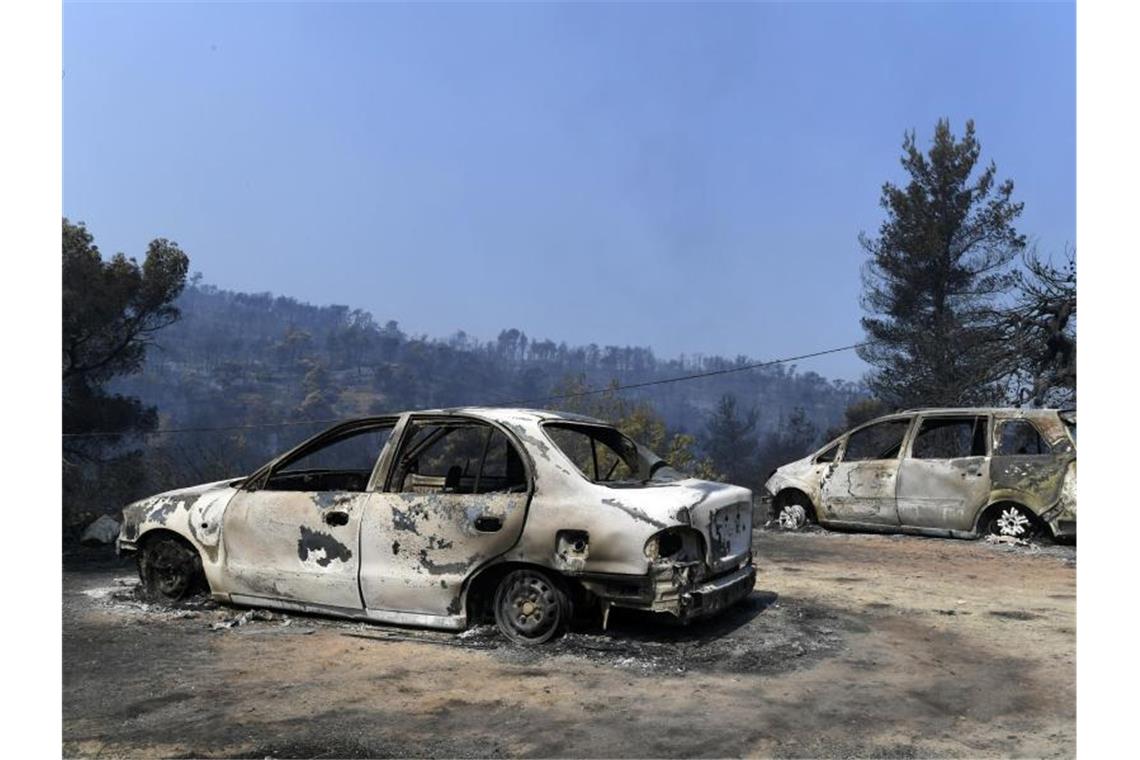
<point>935,275</point>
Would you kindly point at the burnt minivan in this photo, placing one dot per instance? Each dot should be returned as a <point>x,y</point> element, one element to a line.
<point>951,472</point>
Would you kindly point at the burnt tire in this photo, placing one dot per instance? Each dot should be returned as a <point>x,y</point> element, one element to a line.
<point>792,511</point>
<point>169,569</point>
<point>531,606</point>
<point>1012,520</point>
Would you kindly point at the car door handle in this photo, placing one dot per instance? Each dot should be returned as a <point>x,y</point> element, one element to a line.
<point>336,517</point>
<point>488,524</point>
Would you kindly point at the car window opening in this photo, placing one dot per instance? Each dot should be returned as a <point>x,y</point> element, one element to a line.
<point>881,440</point>
<point>1021,438</point>
<point>828,455</point>
<point>344,463</point>
<point>603,454</point>
<point>467,458</point>
<point>950,438</point>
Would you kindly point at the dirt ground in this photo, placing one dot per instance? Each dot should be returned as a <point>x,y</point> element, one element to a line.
<point>851,646</point>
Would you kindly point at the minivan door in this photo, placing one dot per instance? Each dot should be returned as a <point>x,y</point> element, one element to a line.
<point>945,477</point>
<point>860,487</point>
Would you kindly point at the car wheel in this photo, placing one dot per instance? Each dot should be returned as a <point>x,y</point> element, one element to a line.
<point>531,607</point>
<point>792,516</point>
<point>169,569</point>
<point>1012,521</point>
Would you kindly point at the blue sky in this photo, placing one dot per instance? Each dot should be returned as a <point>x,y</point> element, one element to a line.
<point>689,178</point>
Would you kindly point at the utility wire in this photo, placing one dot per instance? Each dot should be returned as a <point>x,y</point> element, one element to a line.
<point>681,378</point>
<point>543,399</point>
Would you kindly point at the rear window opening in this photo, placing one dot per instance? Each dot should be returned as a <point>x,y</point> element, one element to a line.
<point>605,455</point>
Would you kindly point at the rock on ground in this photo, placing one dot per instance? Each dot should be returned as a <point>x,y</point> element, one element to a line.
<point>104,530</point>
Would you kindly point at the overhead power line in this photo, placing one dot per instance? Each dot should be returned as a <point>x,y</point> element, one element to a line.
<point>541,400</point>
<point>681,378</point>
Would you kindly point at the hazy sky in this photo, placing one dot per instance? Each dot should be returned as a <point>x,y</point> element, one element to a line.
<point>689,178</point>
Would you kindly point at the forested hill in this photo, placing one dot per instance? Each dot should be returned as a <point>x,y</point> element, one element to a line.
<point>250,359</point>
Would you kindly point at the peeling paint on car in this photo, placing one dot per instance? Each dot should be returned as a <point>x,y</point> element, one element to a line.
<point>321,548</point>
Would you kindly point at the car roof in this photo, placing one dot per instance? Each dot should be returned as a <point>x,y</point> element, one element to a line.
<point>504,414</point>
<point>977,410</point>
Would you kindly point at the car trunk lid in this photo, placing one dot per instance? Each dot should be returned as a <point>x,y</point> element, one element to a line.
<point>723,513</point>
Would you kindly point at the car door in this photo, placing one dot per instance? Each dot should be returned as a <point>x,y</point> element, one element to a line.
<point>1026,468</point>
<point>456,497</point>
<point>859,488</point>
<point>293,532</point>
<point>944,478</point>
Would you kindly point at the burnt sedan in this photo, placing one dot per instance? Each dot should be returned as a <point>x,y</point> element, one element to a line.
<point>442,518</point>
<point>950,472</point>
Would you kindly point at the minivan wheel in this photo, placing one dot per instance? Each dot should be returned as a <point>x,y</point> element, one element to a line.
<point>169,569</point>
<point>792,510</point>
<point>792,517</point>
<point>1013,521</point>
<point>531,607</point>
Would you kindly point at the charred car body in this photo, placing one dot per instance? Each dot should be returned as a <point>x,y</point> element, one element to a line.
<point>439,518</point>
<point>955,472</point>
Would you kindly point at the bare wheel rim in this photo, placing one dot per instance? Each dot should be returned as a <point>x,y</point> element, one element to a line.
<point>530,605</point>
<point>793,517</point>
<point>1012,522</point>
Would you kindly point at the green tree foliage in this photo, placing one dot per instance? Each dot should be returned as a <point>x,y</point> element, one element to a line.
<point>934,276</point>
<point>638,420</point>
<point>319,395</point>
<point>293,345</point>
<point>1042,331</point>
<point>112,310</point>
<point>730,440</point>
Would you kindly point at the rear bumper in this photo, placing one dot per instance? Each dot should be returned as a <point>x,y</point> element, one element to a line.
<point>667,589</point>
<point>1062,519</point>
<point>718,594</point>
<point>1064,528</point>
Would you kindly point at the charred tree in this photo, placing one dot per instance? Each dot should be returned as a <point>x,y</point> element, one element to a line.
<point>1042,329</point>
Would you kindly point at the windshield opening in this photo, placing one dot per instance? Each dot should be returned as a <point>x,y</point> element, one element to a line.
<point>603,454</point>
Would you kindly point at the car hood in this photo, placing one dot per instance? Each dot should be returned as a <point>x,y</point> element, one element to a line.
<point>181,495</point>
<point>788,475</point>
<point>204,501</point>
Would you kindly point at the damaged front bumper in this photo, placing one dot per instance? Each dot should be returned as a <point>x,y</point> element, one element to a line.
<point>674,588</point>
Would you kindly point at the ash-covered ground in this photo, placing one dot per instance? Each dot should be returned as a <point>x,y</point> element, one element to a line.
<point>850,645</point>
